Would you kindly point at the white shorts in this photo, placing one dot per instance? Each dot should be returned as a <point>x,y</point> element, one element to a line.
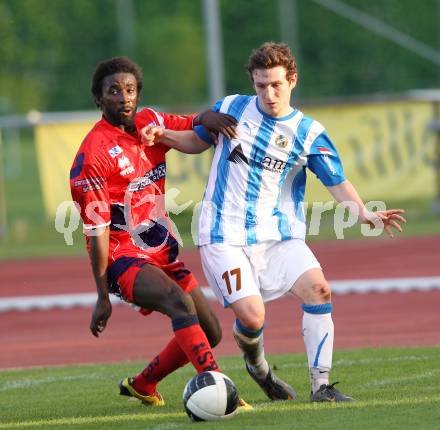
<point>267,269</point>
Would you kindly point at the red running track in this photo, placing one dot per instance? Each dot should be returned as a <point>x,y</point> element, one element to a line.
<point>368,320</point>
<point>62,336</point>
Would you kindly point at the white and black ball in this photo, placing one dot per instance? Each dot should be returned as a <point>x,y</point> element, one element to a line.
<point>210,396</point>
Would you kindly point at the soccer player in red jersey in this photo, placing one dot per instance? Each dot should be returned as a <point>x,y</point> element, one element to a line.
<point>118,183</point>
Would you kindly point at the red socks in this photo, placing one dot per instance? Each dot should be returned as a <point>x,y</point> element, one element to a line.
<point>166,362</point>
<point>193,342</point>
<point>189,344</point>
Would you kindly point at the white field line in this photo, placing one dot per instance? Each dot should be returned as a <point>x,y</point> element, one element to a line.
<point>30,383</point>
<point>359,362</point>
<point>396,381</point>
<point>150,417</point>
<point>277,407</point>
<point>67,301</point>
<point>26,383</point>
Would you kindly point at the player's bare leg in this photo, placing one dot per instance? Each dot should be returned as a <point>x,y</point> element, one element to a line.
<point>207,318</point>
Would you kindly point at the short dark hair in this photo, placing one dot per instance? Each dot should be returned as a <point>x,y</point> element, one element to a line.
<point>112,66</point>
<point>272,54</point>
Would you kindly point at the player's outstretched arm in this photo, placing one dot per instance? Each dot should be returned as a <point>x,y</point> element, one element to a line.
<point>346,194</point>
<point>184,141</point>
<point>99,246</point>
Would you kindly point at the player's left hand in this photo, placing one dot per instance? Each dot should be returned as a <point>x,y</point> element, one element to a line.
<point>216,122</point>
<point>151,133</point>
<point>100,316</point>
<point>388,219</point>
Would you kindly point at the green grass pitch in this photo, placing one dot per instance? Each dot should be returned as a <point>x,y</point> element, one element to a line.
<point>394,388</point>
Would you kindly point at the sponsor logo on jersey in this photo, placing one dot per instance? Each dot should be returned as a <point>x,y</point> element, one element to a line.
<point>271,164</point>
<point>90,184</point>
<point>125,166</point>
<point>251,129</point>
<point>115,151</point>
<point>127,171</point>
<point>123,162</point>
<point>281,141</point>
<point>237,156</point>
<point>151,176</point>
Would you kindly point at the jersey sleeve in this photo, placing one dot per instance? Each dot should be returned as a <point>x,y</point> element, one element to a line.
<point>324,161</point>
<point>88,186</point>
<point>201,131</point>
<point>149,116</point>
<point>177,122</point>
<point>218,104</point>
<point>203,134</point>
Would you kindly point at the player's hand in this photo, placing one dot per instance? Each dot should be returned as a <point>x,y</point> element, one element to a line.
<point>100,316</point>
<point>216,122</point>
<point>150,134</point>
<point>385,219</point>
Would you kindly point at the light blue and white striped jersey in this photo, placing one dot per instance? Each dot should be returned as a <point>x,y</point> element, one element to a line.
<point>256,184</point>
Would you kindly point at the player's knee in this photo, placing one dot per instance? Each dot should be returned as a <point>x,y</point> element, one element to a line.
<point>179,304</point>
<point>252,321</point>
<point>322,292</point>
<point>250,312</point>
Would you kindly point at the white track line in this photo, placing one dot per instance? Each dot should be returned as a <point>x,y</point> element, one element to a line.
<point>385,285</point>
<point>67,301</point>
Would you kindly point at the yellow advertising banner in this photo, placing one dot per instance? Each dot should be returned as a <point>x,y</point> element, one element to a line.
<point>386,148</point>
<point>57,144</point>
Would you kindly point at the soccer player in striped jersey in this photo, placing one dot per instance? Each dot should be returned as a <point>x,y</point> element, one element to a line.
<point>252,224</point>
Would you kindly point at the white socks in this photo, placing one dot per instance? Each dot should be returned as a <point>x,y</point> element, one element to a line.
<point>318,333</point>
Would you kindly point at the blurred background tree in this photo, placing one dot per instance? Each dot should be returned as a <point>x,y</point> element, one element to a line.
<point>50,48</point>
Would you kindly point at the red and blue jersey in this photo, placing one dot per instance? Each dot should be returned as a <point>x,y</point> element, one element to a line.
<point>119,182</point>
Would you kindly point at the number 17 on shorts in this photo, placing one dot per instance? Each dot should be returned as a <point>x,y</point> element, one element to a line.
<point>229,272</point>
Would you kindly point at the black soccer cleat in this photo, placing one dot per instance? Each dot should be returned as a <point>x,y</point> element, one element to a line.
<point>273,387</point>
<point>328,393</point>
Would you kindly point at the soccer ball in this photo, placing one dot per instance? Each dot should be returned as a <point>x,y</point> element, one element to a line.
<point>210,396</point>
